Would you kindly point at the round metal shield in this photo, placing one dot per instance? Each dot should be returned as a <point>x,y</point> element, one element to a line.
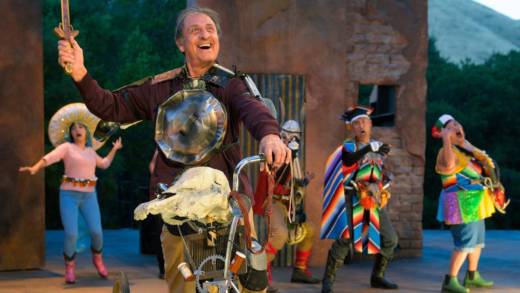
<point>190,125</point>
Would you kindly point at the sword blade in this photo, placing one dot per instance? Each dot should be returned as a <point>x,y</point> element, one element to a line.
<point>65,18</point>
<point>65,30</point>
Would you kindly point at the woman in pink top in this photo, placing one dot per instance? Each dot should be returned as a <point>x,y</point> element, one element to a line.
<point>78,193</point>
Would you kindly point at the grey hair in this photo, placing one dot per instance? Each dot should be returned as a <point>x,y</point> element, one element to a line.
<point>193,10</point>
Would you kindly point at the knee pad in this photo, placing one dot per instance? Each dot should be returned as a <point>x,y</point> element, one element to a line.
<point>254,280</point>
<point>256,277</point>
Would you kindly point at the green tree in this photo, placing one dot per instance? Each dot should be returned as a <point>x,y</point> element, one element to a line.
<point>123,41</point>
<point>485,99</point>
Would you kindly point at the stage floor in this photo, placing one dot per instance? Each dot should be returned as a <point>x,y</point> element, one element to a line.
<point>500,262</point>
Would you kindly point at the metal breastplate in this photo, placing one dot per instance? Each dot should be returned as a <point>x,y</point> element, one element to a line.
<point>190,125</point>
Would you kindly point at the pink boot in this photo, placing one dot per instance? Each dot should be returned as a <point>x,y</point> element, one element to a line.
<point>70,276</point>
<point>97,260</point>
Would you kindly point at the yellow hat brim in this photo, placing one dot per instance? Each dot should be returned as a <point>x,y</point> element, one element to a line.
<point>68,114</point>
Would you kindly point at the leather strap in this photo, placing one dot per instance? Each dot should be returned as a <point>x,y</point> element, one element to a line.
<point>269,202</point>
<point>267,211</point>
<point>245,215</point>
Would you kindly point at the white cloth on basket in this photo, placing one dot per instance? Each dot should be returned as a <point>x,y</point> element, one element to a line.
<point>200,194</point>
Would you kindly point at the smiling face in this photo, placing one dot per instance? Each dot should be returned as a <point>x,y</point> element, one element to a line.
<point>78,133</point>
<point>362,128</point>
<point>457,135</point>
<point>199,43</point>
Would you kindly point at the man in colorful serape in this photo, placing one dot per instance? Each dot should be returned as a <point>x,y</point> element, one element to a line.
<point>354,199</point>
<point>288,221</point>
<point>471,191</point>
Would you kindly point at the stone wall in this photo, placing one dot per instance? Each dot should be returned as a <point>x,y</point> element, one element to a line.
<point>405,205</point>
<point>388,47</point>
<point>338,45</point>
<point>22,207</point>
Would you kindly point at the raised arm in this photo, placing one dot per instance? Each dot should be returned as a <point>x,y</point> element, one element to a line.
<point>104,163</point>
<point>446,160</point>
<point>127,105</point>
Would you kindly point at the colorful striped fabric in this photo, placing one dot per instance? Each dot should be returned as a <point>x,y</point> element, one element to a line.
<point>370,171</point>
<point>464,198</point>
<point>366,229</point>
<point>335,221</point>
<point>366,220</point>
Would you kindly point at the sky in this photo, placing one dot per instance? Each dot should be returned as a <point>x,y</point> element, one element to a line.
<point>510,8</point>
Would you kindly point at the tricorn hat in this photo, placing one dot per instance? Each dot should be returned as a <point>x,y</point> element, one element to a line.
<point>60,122</point>
<point>355,112</point>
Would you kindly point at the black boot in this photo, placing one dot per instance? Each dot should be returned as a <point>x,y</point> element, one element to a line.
<point>330,273</point>
<point>377,280</point>
<point>303,276</point>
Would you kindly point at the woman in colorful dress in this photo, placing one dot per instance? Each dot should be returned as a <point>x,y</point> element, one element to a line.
<point>77,189</point>
<point>465,201</point>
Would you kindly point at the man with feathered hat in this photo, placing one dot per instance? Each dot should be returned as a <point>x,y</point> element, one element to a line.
<point>354,199</point>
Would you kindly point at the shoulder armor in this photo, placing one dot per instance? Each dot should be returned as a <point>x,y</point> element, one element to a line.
<point>168,75</point>
<point>219,75</point>
<point>253,90</point>
<point>135,83</point>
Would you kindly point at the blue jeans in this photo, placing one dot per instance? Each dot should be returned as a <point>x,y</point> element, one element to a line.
<point>85,202</point>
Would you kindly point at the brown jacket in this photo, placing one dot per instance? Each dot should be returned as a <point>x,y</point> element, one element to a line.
<point>140,102</point>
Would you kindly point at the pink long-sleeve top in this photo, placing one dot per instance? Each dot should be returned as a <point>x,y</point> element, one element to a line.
<point>79,163</point>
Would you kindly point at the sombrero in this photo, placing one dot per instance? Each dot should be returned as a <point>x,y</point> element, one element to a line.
<point>61,120</point>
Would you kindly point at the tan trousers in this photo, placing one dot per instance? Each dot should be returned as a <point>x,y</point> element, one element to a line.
<point>173,251</point>
<point>279,231</point>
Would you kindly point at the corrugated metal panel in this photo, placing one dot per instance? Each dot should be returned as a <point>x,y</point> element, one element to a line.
<point>288,90</point>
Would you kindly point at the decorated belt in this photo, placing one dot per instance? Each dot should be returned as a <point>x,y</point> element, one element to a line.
<point>485,182</point>
<point>79,182</point>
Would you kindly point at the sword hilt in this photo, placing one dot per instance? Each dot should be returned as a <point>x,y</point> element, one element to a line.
<point>66,34</point>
